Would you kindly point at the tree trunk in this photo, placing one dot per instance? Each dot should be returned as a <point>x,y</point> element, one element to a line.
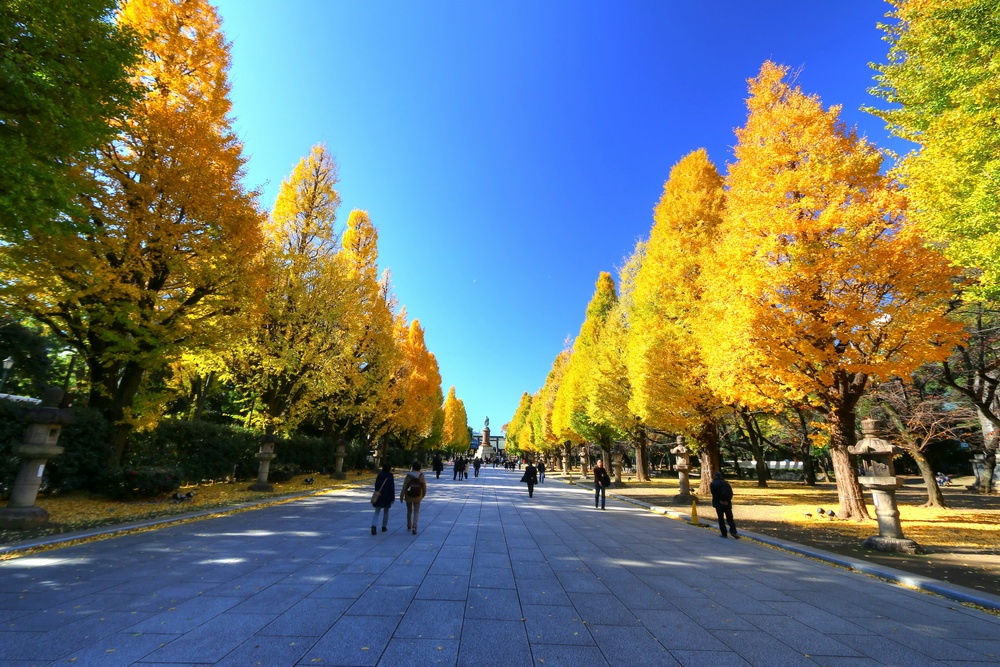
<point>852,500</point>
<point>753,438</point>
<point>641,456</point>
<point>201,394</point>
<point>808,469</point>
<point>708,454</point>
<point>805,449</point>
<point>934,496</point>
<point>991,444</point>
<point>112,393</point>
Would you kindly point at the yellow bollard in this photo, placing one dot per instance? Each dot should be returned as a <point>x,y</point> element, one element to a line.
<point>694,513</point>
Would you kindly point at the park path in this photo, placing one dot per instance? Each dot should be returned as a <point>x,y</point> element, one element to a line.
<point>492,578</point>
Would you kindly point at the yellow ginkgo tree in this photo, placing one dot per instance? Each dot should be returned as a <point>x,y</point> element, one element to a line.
<point>168,256</point>
<point>455,437</point>
<point>669,391</point>
<point>816,283</point>
<point>571,419</point>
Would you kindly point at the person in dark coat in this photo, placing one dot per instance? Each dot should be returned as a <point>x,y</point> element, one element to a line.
<point>601,482</point>
<point>476,464</point>
<point>530,477</point>
<point>722,501</point>
<point>386,486</point>
<point>438,465</point>
<point>541,471</point>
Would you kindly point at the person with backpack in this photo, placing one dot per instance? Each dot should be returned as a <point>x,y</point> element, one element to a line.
<point>602,480</point>
<point>414,488</point>
<point>384,496</point>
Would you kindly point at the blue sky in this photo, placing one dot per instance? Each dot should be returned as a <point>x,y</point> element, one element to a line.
<point>510,151</point>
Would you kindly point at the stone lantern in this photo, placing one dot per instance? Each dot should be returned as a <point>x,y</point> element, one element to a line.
<point>338,462</point>
<point>40,438</point>
<point>584,460</point>
<point>265,456</point>
<point>682,457</point>
<point>616,463</point>
<point>880,478</point>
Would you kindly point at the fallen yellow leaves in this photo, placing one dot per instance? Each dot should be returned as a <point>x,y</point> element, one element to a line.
<point>81,511</point>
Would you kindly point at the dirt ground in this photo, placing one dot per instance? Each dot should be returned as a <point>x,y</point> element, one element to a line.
<point>961,543</point>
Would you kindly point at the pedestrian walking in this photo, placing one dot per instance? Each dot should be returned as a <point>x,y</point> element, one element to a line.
<point>456,468</point>
<point>414,488</point>
<point>438,465</point>
<point>722,501</point>
<point>601,482</point>
<point>476,464</point>
<point>541,471</point>
<point>530,477</point>
<point>384,496</point>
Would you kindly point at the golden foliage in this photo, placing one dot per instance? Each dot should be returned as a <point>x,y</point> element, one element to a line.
<point>456,424</point>
<point>816,280</point>
<point>664,360</point>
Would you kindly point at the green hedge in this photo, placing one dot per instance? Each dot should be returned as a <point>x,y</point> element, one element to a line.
<point>191,451</point>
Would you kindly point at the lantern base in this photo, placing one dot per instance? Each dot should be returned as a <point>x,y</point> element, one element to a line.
<point>18,518</point>
<point>893,544</point>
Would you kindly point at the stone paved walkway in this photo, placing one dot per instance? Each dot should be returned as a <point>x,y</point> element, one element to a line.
<point>492,578</point>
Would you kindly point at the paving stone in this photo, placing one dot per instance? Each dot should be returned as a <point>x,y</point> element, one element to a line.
<point>547,624</point>
<point>885,651</point>
<point>432,619</point>
<point>676,630</point>
<point>449,565</point>
<point>444,587</point>
<point>311,617</point>
<point>381,600</point>
<point>211,641</point>
<point>121,648</point>
<point>407,652</point>
<point>186,616</point>
<point>274,599</point>
<point>800,637</point>
<point>346,585</point>
<point>560,655</point>
<point>493,577</point>
<point>491,580</point>
<point>494,644</point>
<point>630,646</point>
<point>761,648</point>
<point>688,658</point>
<point>353,640</point>
<point>264,650</point>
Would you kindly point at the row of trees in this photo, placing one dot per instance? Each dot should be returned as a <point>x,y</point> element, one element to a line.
<point>133,242</point>
<point>804,285</point>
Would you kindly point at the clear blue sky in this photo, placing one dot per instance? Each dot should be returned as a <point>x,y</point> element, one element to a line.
<point>509,151</point>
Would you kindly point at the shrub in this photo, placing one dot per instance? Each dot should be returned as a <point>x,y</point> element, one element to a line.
<point>134,483</point>
<point>202,450</point>
<point>87,450</point>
